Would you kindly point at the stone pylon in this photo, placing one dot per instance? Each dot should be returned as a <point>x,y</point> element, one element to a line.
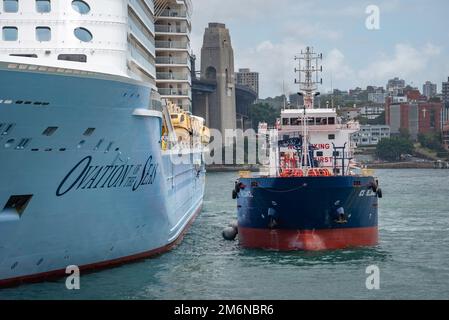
<point>217,65</point>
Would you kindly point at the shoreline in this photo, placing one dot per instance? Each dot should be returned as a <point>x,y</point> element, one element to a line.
<point>406,165</point>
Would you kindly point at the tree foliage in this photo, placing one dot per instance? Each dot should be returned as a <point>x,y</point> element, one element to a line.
<point>263,112</point>
<point>391,149</point>
<point>432,141</point>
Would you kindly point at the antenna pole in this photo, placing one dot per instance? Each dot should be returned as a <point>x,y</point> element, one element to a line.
<point>308,80</point>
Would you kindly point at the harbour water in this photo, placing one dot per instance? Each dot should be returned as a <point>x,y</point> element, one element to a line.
<point>412,256</point>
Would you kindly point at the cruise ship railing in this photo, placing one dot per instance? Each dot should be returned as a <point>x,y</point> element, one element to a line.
<point>142,60</point>
<point>140,35</point>
<point>137,8</point>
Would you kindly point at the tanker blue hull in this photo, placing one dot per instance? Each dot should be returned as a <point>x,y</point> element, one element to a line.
<point>308,213</point>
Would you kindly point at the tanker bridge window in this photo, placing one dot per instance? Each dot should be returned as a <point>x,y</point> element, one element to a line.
<point>331,120</point>
<point>285,121</point>
<point>321,121</point>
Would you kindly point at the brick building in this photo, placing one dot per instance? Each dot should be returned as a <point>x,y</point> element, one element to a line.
<point>415,117</point>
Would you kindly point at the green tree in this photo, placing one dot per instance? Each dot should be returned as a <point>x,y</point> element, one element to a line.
<point>404,133</point>
<point>432,141</point>
<point>263,112</point>
<point>391,149</point>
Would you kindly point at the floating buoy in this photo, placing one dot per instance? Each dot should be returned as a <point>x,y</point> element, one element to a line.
<point>234,224</point>
<point>229,233</point>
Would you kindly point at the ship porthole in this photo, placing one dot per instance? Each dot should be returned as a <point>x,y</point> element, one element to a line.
<point>83,34</point>
<point>80,7</point>
<point>9,143</point>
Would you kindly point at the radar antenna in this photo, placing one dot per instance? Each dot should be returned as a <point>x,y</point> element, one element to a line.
<point>309,72</point>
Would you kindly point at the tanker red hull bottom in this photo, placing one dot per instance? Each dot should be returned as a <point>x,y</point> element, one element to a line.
<point>308,240</point>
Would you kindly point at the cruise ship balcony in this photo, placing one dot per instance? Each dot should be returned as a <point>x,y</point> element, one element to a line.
<point>172,45</point>
<point>170,76</point>
<point>142,61</point>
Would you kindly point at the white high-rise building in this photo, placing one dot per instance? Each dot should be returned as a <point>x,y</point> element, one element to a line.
<point>429,89</point>
<point>173,28</point>
<point>395,86</point>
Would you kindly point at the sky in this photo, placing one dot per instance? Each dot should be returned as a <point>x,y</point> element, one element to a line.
<point>412,41</point>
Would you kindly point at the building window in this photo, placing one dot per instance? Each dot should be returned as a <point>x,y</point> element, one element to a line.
<point>10,33</point>
<point>43,6</point>
<point>11,6</point>
<point>80,7</point>
<point>83,34</point>
<point>43,34</point>
<point>294,121</point>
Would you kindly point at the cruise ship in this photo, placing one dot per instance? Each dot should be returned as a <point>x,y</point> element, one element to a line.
<point>95,108</point>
